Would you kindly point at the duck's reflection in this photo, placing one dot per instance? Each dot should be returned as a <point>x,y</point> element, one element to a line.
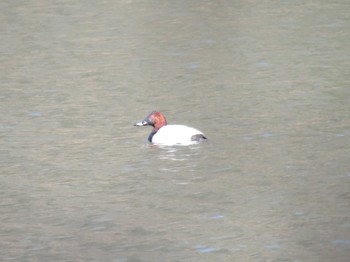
<point>177,153</point>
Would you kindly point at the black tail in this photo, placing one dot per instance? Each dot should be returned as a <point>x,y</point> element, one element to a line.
<point>199,138</point>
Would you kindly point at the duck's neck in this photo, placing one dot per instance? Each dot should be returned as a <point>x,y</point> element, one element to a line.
<point>150,137</point>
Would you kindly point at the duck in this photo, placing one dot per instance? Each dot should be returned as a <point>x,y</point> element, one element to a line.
<point>165,134</point>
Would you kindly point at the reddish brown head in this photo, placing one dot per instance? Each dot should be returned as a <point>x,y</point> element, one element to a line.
<point>155,119</point>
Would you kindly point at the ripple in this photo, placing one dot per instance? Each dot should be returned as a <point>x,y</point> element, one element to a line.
<point>217,217</point>
<point>273,245</point>
<point>341,241</point>
<point>35,113</point>
<point>204,249</point>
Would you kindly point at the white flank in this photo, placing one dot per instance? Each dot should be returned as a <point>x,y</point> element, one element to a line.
<point>175,135</point>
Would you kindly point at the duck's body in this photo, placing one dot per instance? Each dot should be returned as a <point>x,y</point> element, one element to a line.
<point>177,134</point>
<point>170,134</point>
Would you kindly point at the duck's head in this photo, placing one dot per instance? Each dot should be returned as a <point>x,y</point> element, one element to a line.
<point>155,119</point>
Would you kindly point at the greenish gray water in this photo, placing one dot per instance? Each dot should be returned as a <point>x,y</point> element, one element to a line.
<point>266,81</point>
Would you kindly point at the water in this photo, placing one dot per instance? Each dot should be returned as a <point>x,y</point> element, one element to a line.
<point>267,82</point>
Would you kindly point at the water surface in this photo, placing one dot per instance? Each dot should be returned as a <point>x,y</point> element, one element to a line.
<point>266,81</point>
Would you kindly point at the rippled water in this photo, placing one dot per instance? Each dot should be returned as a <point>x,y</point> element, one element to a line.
<point>266,81</point>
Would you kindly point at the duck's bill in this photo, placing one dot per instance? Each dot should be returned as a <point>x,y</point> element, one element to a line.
<point>142,123</point>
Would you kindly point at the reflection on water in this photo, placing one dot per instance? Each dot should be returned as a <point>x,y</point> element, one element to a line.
<point>266,81</point>
<point>178,153</point>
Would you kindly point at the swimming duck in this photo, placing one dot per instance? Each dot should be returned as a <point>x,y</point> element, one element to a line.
<point>165,134</point>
